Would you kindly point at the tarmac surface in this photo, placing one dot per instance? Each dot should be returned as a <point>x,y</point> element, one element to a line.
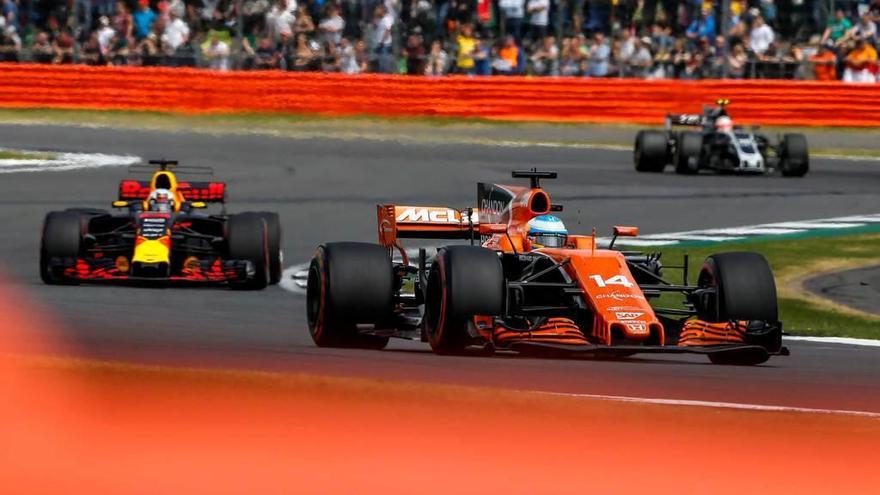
<point>858,288</point>
<point>326,189</point>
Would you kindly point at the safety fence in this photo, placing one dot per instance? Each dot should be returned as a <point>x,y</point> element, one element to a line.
<point>184,90</point>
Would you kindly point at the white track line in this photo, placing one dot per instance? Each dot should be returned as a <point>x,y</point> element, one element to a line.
<point>64,162</point>
<point>836,340</point>
<point>715,405</point>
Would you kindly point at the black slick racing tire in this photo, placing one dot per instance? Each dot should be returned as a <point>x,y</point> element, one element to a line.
<point>794,156</point>
<point>62,238</point>
<point>744,288</point>
<point>688,153</point>
<point>464,281</point>
<point>349,283</point>
<point>650,151</point>
<point>248,239</point>
<point>276,256</point>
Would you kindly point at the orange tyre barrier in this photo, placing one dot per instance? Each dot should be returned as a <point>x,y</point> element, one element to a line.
<point>806,103</point>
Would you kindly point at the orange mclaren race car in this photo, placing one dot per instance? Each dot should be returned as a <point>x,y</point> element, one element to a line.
<point>524,284</point>
<point>162,235</point>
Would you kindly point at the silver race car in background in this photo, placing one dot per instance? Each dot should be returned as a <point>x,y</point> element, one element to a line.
<point>720,146</point>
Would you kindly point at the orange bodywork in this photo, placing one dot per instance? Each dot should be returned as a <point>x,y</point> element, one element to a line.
<point>620,308</point>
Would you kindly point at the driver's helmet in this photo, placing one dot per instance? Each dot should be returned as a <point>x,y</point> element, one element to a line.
<point>161,200</point>
<point>724,124</point>
<point>547,231</point>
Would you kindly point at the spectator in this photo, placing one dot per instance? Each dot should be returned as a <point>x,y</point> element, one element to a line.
<point>861,63</point>
<point>837,27</point>
<point>266,56</point>
<point>506,61</point>
<point>640,62</point>
<point>865,29</point>
<point>143,20</point>
<point>175,34</point>
<point>718,57</point>
<point>10,14</point>
<point>10,45</point>
<point>216,52</point>
<point>63,48</point>
<point>105,34</point>
<point>761,36</point>
<point>332,26</point>
<point>825,62</point>
<point>306,54</point>
<point>147,50</point>
<point>380,38</point>
<point>539,15</point>
<point>600,56</point>
<point>279,20</point>
<point>123,23</point>
<point>545,59</point>
<point>303,23</point>
<point>483,58</point>
<point>438,60</point>
<point>702,28</point>
<point>355,58</point>
<point>572,59</point>
<point>331,61</point>
<point>41,50</point>
<point>91,51</point>
<point>737,62</point>
<point>466,46</point>
<point>624,50</point>
<point>514,12</point>
<point>414,52</point>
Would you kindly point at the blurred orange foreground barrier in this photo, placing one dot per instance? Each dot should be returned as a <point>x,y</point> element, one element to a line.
<point>71,426</point>
<point>499,98</point>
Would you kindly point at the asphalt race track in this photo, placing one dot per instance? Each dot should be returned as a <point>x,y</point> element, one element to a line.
<point>326,190</point>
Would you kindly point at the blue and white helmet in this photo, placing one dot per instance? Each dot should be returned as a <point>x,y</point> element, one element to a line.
<point>547,231</point>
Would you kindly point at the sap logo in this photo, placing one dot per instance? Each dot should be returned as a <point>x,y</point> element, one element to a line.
<point>429,215</point>
<point>637,327</point>
<point>628,315</point>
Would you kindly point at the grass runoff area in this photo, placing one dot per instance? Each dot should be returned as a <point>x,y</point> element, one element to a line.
<point>853,142</point>
<point>25,155</point>
<point>794,260</point>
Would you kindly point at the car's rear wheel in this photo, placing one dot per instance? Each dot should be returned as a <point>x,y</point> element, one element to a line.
<point>465,281</point>
<point>794,156</point>
<point>276,256</point>
<point>349,283</point>
<point>248,239</point>
<point>651,151</point>
<point>688,153</point>
<point>62,238</point>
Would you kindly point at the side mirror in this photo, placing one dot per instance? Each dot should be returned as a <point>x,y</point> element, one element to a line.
<point>198,204</point>
<point>623,231</point>
<point>120,204</point>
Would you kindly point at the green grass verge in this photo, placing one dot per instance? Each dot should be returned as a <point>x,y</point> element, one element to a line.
<point>793,260</point>
<point>25,155</point>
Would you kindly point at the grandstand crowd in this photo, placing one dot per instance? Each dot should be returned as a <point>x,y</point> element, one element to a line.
<point>692,39</point>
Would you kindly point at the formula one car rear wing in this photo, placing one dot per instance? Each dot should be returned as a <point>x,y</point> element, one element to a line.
<point>425,222</point>
<point>683,119</point>
<point>208,192</point>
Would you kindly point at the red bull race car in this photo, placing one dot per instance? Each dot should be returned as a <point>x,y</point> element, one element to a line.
<point>162,233</point>
<point>519,282</point>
